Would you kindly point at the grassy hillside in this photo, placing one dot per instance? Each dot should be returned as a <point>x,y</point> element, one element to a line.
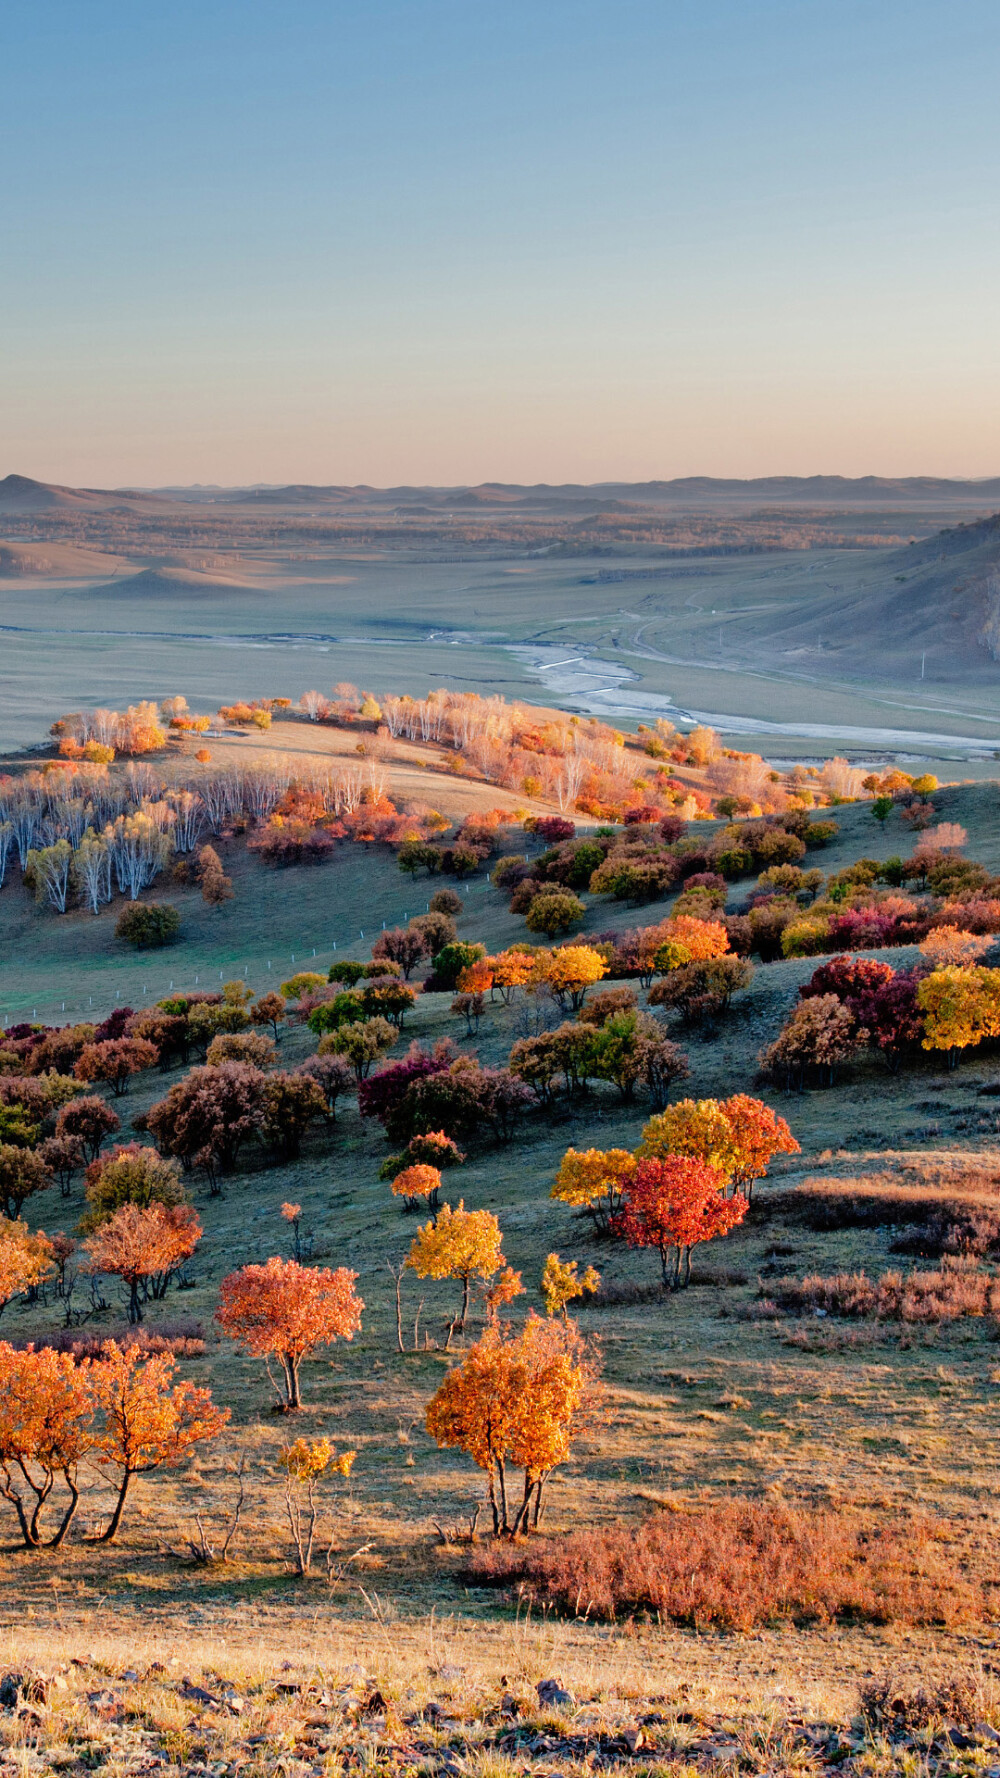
<point>711,1393</point>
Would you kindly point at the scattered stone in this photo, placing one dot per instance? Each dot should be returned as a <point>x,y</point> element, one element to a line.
<point>552,1691</point>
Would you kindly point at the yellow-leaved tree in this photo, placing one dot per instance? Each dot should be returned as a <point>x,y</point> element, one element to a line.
<point>463,1244</point>
<point>960,1007</point>
<point>593,1179</point>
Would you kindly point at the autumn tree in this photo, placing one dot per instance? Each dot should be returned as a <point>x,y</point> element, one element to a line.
<point>45,1431</point>
<point>594,1180</point>
<point>960,1007</point>
<point>405,945</point>
<point>570,971</point>
<point>289,1104</point>
<point>415,1182</point>
<point>562,1284</point>
<point>462,1244</point>
<point>116,1061</point>
<point>516,1399</point>
<point>208,1117</point>
<point>285,1310</point>
<point>674,1204</point>
<point>129,1175</point>
<point>820,1034</point>
<point>333,1075</point>
<point>304,1462</point>
<point>62,1155</point>
<point>25,1260</point>
<point>145,1423</point>
<point>144,1247</point>
<point>270,1009</point>
<point>553,911</point>
<point>759,1134</point>
<point>362,1044</point>
<point>949,946</point>
<point>23,1172</point>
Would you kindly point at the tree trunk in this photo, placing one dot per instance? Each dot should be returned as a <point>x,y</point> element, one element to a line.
<point>521,1521</point>
<point>111,1533</point>
<point>67,1518</point>
<point>503,1494</point>
<point>290,1366</point>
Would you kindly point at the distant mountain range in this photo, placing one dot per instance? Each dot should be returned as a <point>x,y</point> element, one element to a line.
<point>20,494</point>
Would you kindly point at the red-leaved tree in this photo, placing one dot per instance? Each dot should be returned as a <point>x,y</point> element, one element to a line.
<point>673,1204</point>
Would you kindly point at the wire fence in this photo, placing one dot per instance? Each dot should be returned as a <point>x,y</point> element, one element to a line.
<point>160,978</point>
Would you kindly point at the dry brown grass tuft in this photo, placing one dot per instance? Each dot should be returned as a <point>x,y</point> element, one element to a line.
<point>741,1565</point>
<point>964,1697</point>
<point>960,1288</point>
<point>880,1200</point>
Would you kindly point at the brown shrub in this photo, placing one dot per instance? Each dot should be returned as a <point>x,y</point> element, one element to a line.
<point>965,1698</point>
<point>184,1339</point>
<point>958,1289</point>
<point>740,1565</point>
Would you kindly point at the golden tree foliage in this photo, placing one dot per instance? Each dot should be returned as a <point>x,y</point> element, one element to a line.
<point>146,1424</point>
<point>738,1137</point>
<point>463,1244</point>
<point>570,971</point>
<point>286,1310</point>
<point>25,1259</point>
<point>517,1398</point>
<point>960,1007</point>
<point>561,1283</point>
<point>696,1127</point>
<point>593,1179</point>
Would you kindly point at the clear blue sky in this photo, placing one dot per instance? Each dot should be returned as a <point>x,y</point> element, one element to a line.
<point>432,241</point>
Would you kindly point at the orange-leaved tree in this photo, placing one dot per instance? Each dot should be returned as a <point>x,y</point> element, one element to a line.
<point>516,1399</point>
<point>144,1246</point>
<point>25,1259</point>
<point>462,1244</point>
<point>672,1205</point>
<point>701,939</point>
<point>46,1412</point>
<point>512,969</point>
<point>145,1423</point>
<point>760,1134</point>
<point>285,1310</point>
<point>418,1181</point>
<point>593,1179</point>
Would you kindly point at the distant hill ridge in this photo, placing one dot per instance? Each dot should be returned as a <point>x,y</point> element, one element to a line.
<point>20,493</point>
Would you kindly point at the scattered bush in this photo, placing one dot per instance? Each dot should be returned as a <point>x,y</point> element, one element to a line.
<point>741,1565</point>
<point>148,924</point>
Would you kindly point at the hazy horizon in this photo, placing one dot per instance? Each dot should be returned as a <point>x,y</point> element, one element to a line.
<point>434,245</point>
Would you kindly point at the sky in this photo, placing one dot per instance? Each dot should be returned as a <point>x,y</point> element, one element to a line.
<point>435,241</point>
